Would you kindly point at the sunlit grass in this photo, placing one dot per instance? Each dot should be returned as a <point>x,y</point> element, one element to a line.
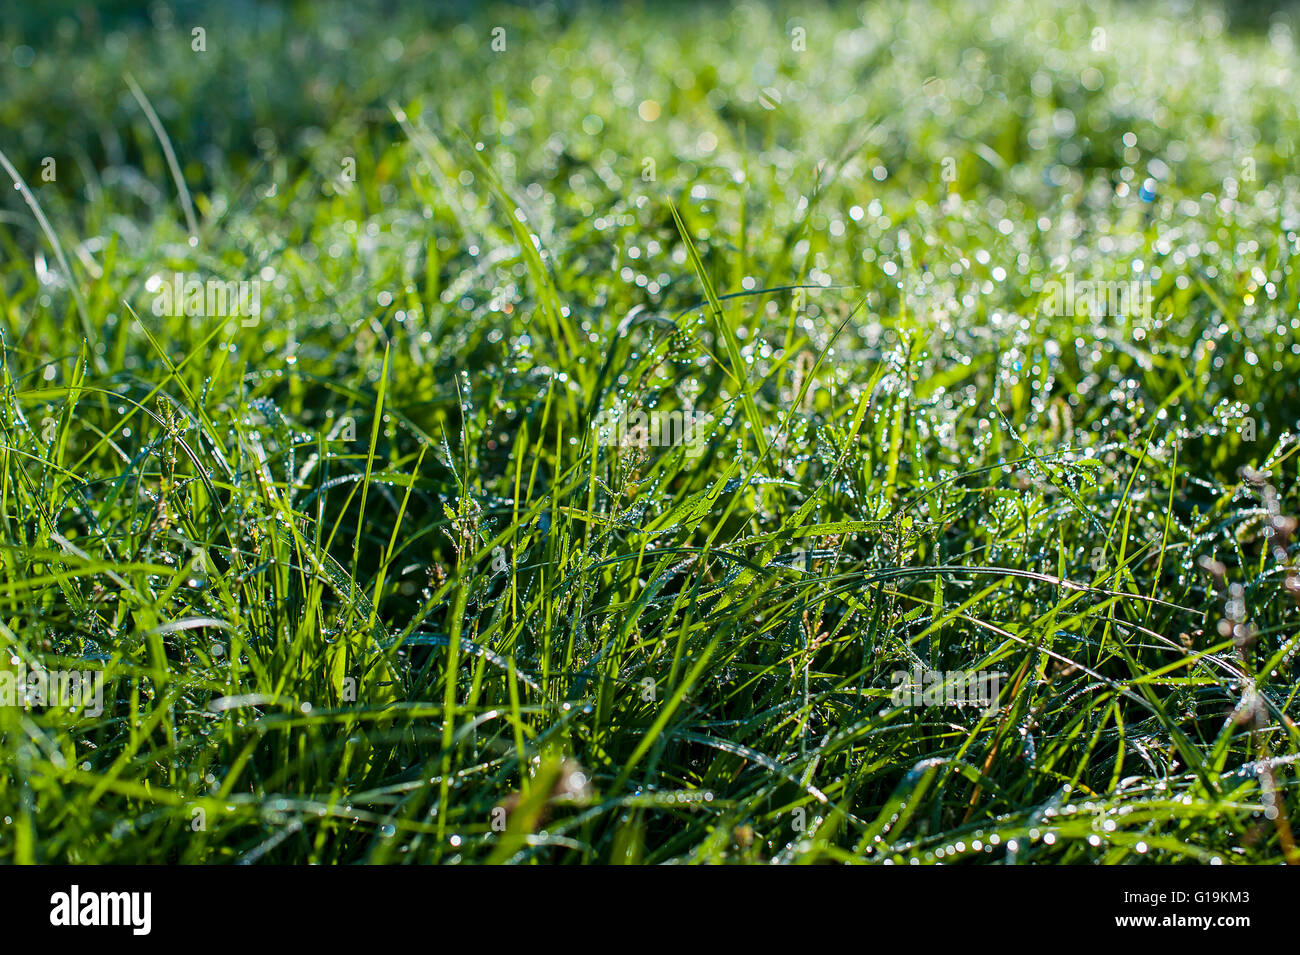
<point>370,577</point>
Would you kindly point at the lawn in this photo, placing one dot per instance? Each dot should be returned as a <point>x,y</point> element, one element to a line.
<point>649,433</point>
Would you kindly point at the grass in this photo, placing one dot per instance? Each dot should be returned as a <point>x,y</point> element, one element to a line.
<point>369,580</point>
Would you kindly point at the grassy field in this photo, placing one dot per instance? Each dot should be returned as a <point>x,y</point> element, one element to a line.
<point>563,435</point>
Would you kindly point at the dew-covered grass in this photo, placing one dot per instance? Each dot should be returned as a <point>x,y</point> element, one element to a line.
<point>369,575</point>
